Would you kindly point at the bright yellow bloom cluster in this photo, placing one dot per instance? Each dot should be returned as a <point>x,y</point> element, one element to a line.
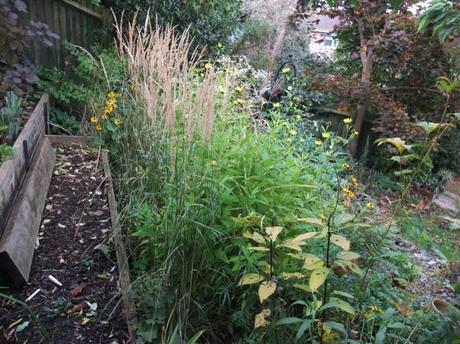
<point>285,70</point>
<point>348,193</point>
<point>110,104</point>
<point>239,88</point>
<point>376,309</point>
<point>347,120</point>
<point>277,105</point>
<point>109,109</point>
<point>370,205</point>
<point>293,132</point>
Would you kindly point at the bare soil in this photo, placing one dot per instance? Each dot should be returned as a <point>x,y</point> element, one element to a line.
<point>73,247</point>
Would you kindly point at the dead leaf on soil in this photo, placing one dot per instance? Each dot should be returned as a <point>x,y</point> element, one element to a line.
<point>78,288</point>
<point>403,308</point>
<point>78,308</point>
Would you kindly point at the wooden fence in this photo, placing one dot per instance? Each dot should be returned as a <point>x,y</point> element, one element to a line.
<point>76,21</point>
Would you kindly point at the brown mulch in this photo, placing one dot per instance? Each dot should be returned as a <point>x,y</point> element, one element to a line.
<point>73,248</point>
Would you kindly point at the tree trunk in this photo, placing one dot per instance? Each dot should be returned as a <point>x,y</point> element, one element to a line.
<point>367,61</point>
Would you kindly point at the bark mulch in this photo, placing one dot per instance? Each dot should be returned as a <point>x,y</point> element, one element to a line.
<point>73,248</point>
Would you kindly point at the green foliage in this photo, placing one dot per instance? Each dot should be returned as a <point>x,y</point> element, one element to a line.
<point>444,15</point>
<point>9,117</point>
<point>6,152</point>
<point>210,22</point>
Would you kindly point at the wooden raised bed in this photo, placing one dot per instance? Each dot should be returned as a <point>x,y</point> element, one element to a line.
<point>24,182</point>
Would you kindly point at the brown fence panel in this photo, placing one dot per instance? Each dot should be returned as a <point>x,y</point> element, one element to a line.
<point>76,21</point>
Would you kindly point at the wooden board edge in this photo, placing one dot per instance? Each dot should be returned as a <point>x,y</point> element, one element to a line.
<point>124,283</point>
<point>69,139</point>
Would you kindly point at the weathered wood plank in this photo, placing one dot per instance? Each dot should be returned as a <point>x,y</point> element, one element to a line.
<point>18,241</point>
<point>67,139</point>
<point>85,9</point>
<point>13,171</point>
<point>129,308</point>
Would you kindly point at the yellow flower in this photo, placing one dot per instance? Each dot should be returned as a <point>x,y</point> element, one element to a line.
<point>348,193</point>
<point>208,65</point>
<point>222,89</point>
<point>239,88</point>
<point>326,135</point>
<point>376,309</point>
<point>117,122</point>
<point>354,182</point>
<point>370,205</point>
<point>94,119</point>
<point>98,127</point>
<point>355,132</point>
<point>367,314</point>
<point>213,163</point>
<point>240,101</point>
<point>112,95</point>
<point>293,132</point>
<point>347,120</point>
<point>277,105</point>
<point>345,166</point>
<point>318,142</point>
<point>285,70</point>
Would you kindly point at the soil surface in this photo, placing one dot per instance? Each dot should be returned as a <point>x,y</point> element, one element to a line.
<point>72,248</point>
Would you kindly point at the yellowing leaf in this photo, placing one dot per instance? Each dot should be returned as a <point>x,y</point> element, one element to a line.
<point>273,232</point>
<point>340,241</point>
<point>261,318</point>
<point>258,248</point>
<point>250,278</point>
<point>266,289</point>
<point>296,246</point>
<point>304,236</point>
<point>257,237</point>
<point>343,305</point>
<point>318,277</point>
<point>311,220</point>
<point>292,275</point>
<point>312,262</point>
<point>303,287</point>
<point>348,255</point>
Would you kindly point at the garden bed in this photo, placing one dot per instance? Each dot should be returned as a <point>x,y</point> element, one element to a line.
<point>24,181</point>
<point>73,251</point>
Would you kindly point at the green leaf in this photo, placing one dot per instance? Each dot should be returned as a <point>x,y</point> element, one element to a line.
<point>318,277</point>
<point>250,278</point>
<point>301,286</point>
<point>195,338</point>
<point>380,336</point>
<point>337,326</point>
<point>302,328</point>
<point>266,289</point>
<point>288,321</point>
<point>343,218</point>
